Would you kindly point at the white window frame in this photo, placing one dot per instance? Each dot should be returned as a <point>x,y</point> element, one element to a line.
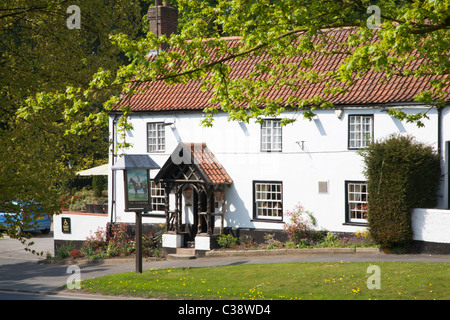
<point>268,200</point>
<point>156,137</point>
<point>360,131</point>
<point>271,135</point>
<point>158,197</point>
<point>357,201</point>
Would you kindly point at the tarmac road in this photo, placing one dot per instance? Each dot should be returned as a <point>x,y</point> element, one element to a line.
<point>13,249</point>
<point>22,277</point>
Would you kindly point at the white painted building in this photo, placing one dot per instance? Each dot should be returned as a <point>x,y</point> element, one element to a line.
<point>313,164</point>
<point>272,168</point>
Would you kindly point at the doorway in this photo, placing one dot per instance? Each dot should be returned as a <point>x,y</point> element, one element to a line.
<point>194,217</point>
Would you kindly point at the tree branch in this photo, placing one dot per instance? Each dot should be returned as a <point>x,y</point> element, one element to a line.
<point>25,10</point>
<point>243,53</point>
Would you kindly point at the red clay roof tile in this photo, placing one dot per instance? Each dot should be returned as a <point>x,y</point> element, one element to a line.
<point>203,161</point>
<point>368,90</point>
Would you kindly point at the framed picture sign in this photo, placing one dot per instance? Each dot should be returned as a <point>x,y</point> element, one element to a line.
<point>137,190</point>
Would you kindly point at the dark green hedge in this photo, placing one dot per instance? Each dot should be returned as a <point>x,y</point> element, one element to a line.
<point>402,174</point>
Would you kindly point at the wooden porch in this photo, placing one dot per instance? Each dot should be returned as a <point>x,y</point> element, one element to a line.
<point>202,180</point>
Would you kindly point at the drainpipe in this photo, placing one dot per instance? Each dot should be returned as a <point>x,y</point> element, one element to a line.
<point>441,153</point>
<point>439,132</point>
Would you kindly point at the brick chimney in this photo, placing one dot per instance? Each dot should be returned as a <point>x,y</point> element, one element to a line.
<point>166,16</point>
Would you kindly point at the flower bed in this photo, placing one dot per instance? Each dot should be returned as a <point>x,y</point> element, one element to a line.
<point>301,234</point>
<point>120,243</point>
<point>314,239</point>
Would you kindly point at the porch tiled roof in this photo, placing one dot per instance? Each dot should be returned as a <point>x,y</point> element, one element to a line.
<point>366,91</point>
<point>208,164</point>
<point>202,159</point>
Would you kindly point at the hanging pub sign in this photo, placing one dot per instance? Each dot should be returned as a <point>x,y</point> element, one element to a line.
<point>137,194</point>
<point>137,190</point>
<point>136,174</point>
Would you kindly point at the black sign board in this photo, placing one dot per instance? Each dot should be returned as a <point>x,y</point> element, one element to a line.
<point>65,225</point>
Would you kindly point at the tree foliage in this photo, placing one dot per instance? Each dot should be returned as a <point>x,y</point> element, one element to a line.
<point>411,33</point>
<point>402,174</point>
<point>46,131</point>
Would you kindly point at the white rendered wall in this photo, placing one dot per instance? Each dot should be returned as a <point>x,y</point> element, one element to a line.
<point>82,225</point>
<point>431,225</point>
<point>236,145</point>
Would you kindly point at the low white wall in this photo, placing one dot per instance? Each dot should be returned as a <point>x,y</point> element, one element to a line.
<point>431,225</point>
<point>83,225</point>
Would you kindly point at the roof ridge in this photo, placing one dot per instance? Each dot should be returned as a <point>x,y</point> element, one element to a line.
<point>160,96</point>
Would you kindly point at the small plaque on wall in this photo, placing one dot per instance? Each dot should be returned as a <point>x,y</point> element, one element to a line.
<point>65,225</point>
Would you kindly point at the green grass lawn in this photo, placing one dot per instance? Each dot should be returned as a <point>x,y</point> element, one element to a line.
<point>320,281</point>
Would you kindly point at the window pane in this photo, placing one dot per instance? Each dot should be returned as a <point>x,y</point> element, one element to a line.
<point>155,137</point>
<point>360,131</point>
<point>268,198</point>
<point>271,135</point>
<point>158,197</point>
<point>277,146</point>
<point>357,202</point>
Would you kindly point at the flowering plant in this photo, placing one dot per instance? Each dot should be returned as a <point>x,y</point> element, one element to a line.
<point>300,224</point>
<point>67,200</point>
<point>118,241</point>
<point>75,254</point>
<point>365,210</point>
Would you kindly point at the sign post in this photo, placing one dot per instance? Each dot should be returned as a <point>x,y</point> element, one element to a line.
<point>137,192</point>
<point>138,242</point>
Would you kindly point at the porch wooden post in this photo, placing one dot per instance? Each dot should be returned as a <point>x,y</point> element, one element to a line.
<point>208,211</point>
<point>167,205</point>
<point>177,208</point>
<point>199,211</point>
<point>224,203</point>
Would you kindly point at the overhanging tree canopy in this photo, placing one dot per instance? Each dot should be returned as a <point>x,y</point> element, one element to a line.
<point>412,41</point>
<point>46,130</point>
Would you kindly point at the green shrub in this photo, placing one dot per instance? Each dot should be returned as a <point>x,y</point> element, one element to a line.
<point>271,242</point>
<point>77,201</point>
<point>329,241</point>
<point>150,246</point>
<point>63,251</point>
<point>227,240</point>
<point>402,174</point>
<point>98,184</point>
<point>247,242</point>
<point>95,245</point>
